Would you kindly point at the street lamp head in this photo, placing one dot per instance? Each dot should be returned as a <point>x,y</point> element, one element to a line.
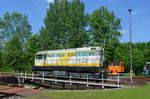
<point>130,10</point>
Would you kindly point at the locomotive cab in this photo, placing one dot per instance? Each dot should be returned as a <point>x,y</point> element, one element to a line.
<point>40,59</point>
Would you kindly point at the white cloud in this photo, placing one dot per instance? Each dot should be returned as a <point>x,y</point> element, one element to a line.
<point>124,32</point>
<point>50,1</point>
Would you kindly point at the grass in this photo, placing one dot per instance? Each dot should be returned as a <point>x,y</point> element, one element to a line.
<point>141,92</point>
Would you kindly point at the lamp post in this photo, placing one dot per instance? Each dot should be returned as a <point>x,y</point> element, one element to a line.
<point>131,67</point>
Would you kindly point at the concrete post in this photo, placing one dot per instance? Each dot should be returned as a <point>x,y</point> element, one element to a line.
<point>25,76</point>
<point>32,76</point>
<point>70,79</point>
<point>102,80</point>
<point>21,73</point>
<point>43,77</point>
<point>87,80</point>
<point>118,80</point>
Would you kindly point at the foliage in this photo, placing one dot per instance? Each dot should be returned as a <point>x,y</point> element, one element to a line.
<point>1,62</point>
<point>105,31</point>
<point>33,46</point>
<point>15,25</point>
<point>145,48</point>
<point>14,54</point>
<point>64,25</point>
<point>138,61</point>
<point>15,32</point>
<point>122,53</point>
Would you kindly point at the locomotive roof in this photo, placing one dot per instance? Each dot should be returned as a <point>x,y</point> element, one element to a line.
<point>71,49</point>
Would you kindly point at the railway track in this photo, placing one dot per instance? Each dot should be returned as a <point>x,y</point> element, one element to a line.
<point>86,81</point>
<point>114,83</point>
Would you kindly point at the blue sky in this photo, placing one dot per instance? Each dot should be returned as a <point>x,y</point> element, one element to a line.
<point>36,11</point>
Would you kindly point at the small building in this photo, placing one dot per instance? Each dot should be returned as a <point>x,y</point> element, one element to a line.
<point>146,70</point>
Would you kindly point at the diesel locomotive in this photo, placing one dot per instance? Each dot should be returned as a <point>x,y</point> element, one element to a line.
<point>75,60</point>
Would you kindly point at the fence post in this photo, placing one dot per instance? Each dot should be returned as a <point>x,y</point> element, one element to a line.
<point>25,76</point>
<point>70,79</point>
<point>118,80</point>
<point>18,80</point>
<point>87,80</point>
<point>21,73</point>
<point>55,77</point>
<point>43,77</point>
<point>32,75</point>
<point>102,80</point>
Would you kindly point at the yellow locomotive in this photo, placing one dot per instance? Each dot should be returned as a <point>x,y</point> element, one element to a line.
<point>75,60</point>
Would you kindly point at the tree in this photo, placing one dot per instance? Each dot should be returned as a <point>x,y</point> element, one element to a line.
<point>15,31</point>
<point>105,31</point>
<point>1,62</point>
<point>14,55</point>
<point>15,25</point>
<point>2,25</point>
<point>145,48</point>
<point>33,46</point>
<point>65,24</point>
<point>77,35</point>
<point>122,53</point>
<point>138,61</point>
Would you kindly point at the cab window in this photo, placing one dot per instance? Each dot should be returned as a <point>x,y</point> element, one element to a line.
<point>51,55</point>
<point>40,56</point>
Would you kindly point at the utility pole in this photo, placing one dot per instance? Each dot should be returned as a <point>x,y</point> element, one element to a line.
<point>131,67</point>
